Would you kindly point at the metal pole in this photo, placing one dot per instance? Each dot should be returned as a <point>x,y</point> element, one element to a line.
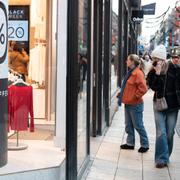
<point>3,81</point>
<point>120,40</point>
<point>99,70</point>
<point>72,90</point>
<point>107,57</point>
<point>95,70</point>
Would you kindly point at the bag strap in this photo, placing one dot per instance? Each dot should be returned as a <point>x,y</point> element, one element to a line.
<point>163,88</point>
<point>164,85</point>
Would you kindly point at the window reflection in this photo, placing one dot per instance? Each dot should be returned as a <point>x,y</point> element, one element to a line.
<point>82,91</point>
<point>114,48</point>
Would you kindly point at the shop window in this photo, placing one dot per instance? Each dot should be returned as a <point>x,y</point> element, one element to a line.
<point>114,49</point>
<point>31,60</point>
<point>32,91</point>
<point>82,89</point>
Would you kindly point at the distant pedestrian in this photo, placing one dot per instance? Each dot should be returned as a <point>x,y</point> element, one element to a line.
<point>132,90</point>
<point>147,63</point>
<point>164,80</point>
<point>175,56</point>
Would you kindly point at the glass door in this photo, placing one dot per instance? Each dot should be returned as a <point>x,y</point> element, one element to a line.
<point>82,83</point>
<point>114,49</point>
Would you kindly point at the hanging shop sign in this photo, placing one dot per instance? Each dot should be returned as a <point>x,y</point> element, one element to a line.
<point>137,16</point>
<point>141,47</point>
<point>18,25</point>
<point>149,9</point>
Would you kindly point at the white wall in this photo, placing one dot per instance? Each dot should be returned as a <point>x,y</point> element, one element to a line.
<point>60,137</point>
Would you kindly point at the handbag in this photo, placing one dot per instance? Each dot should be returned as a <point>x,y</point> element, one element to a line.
<point>160,104</point>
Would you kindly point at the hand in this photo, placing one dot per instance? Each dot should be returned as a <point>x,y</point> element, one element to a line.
<point>158,67</point>
<point>118,95</point>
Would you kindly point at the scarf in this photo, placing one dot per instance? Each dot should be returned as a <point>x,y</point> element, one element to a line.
<point>124,84</point>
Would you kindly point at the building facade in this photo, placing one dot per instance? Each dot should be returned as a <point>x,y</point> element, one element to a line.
<point>72,77</point>
<point>168,33</point>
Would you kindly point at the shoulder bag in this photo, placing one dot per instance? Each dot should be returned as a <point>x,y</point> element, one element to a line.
<point>160,104</point>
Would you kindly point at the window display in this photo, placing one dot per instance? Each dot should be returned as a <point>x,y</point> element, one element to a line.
<point>30,60</point>
<point>20,106</point>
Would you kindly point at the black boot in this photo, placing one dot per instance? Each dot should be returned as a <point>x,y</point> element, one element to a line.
<point>125,146</point>
<point>143,150</point>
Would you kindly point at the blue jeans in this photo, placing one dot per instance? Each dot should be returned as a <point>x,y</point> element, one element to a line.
<point>134,120</point>
<point>165,124</point>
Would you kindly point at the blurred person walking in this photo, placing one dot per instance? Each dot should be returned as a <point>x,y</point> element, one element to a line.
<point>132,90</point>
<point>164,80</point>
<point>147,63</point>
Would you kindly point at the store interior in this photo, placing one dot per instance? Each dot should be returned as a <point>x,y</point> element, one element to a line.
<point>35,41</point>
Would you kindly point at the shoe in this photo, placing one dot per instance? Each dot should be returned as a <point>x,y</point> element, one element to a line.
<point>161,165</point>
<point>125,146</point>
<point>143,150</point>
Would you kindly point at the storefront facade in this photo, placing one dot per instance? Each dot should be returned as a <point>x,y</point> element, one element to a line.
<point>69,69</point>
<point>42,33</point>
<point>127,34</point>
<point>31,75</point>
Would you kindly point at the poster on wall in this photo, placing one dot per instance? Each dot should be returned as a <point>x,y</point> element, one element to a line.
<point>18,25</point>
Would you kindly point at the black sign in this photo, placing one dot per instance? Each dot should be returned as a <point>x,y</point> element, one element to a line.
<point>19,13</point>
<point>137,16</point>
<point>149,9</point>
<point>18,25</point>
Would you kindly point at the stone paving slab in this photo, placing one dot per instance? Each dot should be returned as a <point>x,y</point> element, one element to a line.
<point>128,174</point>
<point>112,163</point>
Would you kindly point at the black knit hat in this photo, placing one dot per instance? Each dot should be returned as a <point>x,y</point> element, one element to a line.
<point>175,52</point>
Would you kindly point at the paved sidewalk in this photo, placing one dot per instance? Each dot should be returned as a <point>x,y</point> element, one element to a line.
<point>109,162</point>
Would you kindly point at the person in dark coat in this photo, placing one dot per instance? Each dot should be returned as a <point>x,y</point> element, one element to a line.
<point>164,80</point>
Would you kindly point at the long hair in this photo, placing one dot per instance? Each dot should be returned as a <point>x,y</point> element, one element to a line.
<point>18,48</point>
<point>137,61</point>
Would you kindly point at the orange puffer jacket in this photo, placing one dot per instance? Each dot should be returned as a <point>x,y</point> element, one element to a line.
<point>135,88</point>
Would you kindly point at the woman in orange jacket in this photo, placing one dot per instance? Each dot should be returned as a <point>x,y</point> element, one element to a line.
<point>132,90</point>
